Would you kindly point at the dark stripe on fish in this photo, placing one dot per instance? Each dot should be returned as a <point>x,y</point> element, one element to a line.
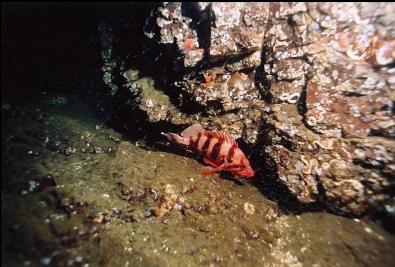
<point>206,144</point>
<point>216,149</point>
<point>231,152</point>
<point>193,145</point>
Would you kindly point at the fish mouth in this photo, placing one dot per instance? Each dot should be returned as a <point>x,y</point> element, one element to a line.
<point>248,176</point>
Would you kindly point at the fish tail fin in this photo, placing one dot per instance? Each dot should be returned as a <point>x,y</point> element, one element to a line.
<point>175,138</point>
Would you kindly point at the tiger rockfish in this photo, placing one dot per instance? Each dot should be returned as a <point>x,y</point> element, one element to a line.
<point>218,149</point>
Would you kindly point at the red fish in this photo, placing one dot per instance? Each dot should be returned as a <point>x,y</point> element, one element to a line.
<point>218,149</point>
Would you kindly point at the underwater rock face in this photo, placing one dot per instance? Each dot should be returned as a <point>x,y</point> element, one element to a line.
<point>309,85</point>
<point>324,60</point>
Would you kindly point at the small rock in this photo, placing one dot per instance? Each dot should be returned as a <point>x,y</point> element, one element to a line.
<point>45,261</point>
<point>68,151</point>
<point>98,219</point>
<point>249,208</point>
<point>6,106</point>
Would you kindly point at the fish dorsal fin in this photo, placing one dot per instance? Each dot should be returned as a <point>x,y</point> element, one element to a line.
<point>192,130</point>
<point>228,139</point>
<point>213,134</point>
<point>223,137</point>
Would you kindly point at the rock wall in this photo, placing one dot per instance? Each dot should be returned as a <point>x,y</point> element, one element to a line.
<point>309,87</point>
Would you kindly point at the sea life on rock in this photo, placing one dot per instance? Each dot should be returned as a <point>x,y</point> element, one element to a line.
<point>58,101</point>
<point>249,208</point>
<point>385,54</point>
<point>188,44</point>
<point>310,165</point>
<point>325,144</point>
<point>167,202</point>
<point>218,149</point>
<point>41,184</point>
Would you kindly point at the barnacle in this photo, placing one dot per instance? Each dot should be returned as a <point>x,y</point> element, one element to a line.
<point>208,79</point>
<point>351,187</point>
<point>304,160</point>
<point>293,98</point>
<point>244,76</point>
<point>325,144</point>
<point>385,54</point>
<point>349,157</point>
<point>249,208</point>
<point>309,165</point>
<point>325,165</point>
<point>342,40</point>
<point>188,44</point>
<point>284,97</point>
<point>312,121</point>
<point>340,163</point>
<point>353,55</point>
<point>167,202</point>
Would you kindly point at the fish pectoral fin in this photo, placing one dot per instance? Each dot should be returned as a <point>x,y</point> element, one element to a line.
<point>209,162</point>
<point>213,170</point>
<point>207,171</point>
<point>235,168</point>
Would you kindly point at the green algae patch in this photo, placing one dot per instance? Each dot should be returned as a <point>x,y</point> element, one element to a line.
<point>154,102</point>
<point>148,91</point>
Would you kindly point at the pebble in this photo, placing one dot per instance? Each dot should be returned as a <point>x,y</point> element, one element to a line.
<point>45,261</point>
<point>32,185</point>
<point>249,208</point>
<point>68,151</point>
<point>6,106</point>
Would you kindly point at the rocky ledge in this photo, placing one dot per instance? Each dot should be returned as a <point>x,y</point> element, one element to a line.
<point>308,89</point>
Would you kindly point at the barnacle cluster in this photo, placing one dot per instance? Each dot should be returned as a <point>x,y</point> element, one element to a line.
<point>166,202</point>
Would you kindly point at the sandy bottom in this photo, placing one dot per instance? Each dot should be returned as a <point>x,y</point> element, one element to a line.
<point>76,193</point>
